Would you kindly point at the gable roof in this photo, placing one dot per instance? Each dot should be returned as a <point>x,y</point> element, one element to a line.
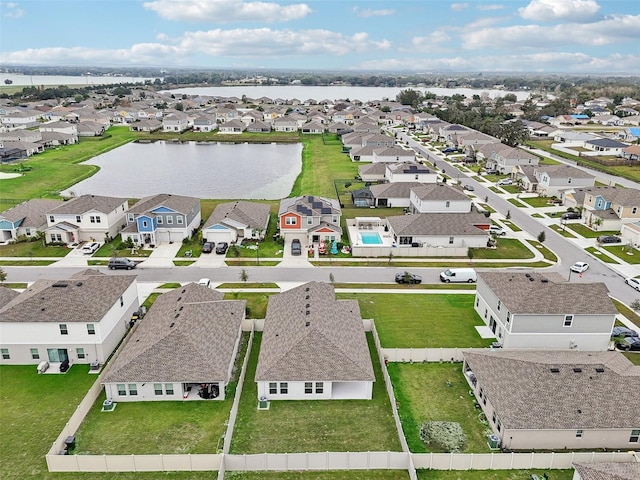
<point>535,293</point>
<point>434,224</point>
<point>309,335</point>
<point>88,203</point>
<point>526,394</point>
<point>251,214</point>
<point>32,212</point>
<point>608,471</point>
<point>607,143</point>
<point>439,191</point>
<point>394,190</point>
<point>562,171</point>
<point>188,335</point>
<point>310,205</point>
<point>6,295</point>
<point>617,195</point>
<point>177,203</point>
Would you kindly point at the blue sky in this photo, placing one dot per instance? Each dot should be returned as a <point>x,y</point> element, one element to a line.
<point>565,36</point>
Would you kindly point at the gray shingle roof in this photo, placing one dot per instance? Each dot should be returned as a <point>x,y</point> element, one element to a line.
<point>6,295</point>
<point>326,344</point>
<point>393,190</point>
<point>439,191</point>
<point>608,471</point>
<point>252,214</point>
<point>526,394</point>
<point>377,168</point>
<point>177,203</point>
<point>563,171</point>
<point>289,205</point>
<point>86,297</point>
<point>188,335</point>
<point>87,203</point>
<point>521,295</point>
<point>439,224</point>
<point>32,211</point>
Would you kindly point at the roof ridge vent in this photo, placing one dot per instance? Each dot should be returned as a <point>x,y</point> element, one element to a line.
<point>59,285</point>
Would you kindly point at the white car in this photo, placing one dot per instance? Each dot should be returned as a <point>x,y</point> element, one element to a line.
<point>579,267</point>
<point>90,248</point>
<point>205,282</point>
<point>497,230</point>
<point>633,282</point>
<point>505,181</point>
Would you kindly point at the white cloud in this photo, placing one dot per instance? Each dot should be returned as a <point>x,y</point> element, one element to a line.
<point>490,7</point>
<point>614,29</point>
<point>227,11</point>
<point>367,12</point>
<point>552,10</point>
<point>433,40</point>
<point>458,7</point>
<point>13,10</point>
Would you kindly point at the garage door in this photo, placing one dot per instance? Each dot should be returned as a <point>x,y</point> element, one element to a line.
<point>222,236</point>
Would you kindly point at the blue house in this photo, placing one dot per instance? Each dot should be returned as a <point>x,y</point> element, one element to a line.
<point>162,218</point>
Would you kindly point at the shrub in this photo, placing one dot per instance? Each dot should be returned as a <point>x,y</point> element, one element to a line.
<point>448,435</point>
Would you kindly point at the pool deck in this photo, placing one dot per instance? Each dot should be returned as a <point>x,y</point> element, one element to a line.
<point>356,239</point>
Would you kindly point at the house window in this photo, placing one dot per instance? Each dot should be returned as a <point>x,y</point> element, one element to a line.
<point>477,301</point>
<point>568,320</point>
<point>508,317</point>
<point>635,436</point>
<point>319,387</point>
<point>130,217</point>
<point>499,305</point>
<point>80,352</point>
<point>493,417</point>
<point>308,387</point>
<point>144,224</point>
<point>416,177</point>
<point>52,218</point>
<point>579,433</point>
<point>121,300</point>
<point>121,390</point>
<point>569,180</point>
<point>63,329</point>
<point>634,210</point>
<point>499,425</point>
<point>309,220</point>
<point>133,389</point>
<point>290,221</point>
<point>169,220</point>
<point>450,240</point>
<point>447,204</point>
<point>168,388</point>
<point>78,219</point>
<point>92,219</point>
<point>334,219</point>
<point>91,329</point>
<point>179,220</point>
<point>273,388</point>
<point>406,240</point>
<point>5,354</point>
<point>160,221</point>
<point>157,388</point>
<point>284,388</point>
<point>35,354</point>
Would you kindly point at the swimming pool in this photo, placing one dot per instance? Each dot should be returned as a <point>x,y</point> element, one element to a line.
<point>371,238</point>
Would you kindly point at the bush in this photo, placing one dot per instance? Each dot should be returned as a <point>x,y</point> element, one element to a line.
<point>448,435</point>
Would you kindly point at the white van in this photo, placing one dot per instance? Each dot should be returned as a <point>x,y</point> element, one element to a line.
<point>459,275</point>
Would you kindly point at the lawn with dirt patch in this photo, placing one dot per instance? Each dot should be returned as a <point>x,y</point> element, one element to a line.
<point>322,475</point>
<point>493,474</point>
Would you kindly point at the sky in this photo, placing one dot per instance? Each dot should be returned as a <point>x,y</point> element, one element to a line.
<point>422,36</point>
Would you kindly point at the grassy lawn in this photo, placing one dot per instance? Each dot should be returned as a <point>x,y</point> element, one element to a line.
<point>32,250</point>
<point>439,262</point>
<point>398,286</point>
<point>565,232</point>
<point>322,475</point>
<point>537,202</point>
<point>515,201</point>
<point>493,474</point>
<point>436,391</point>
<point>511,188</point>
<point>256,302</point>
<point>506,248</point>
<point>422,321</point>
<point>110,250</point>
<point>248,285</point>
<point>627,312</point>
<point>170,285</point>
<point>624,253</point>
<point>583,230</point>
<point>633,356</point>
<point>537,215</point>
<point>314,426</point>
<point>33,410</point>
<point>233,262</point>
<point>548,254</point>
<point>598,254</point>
<point>512,225</point>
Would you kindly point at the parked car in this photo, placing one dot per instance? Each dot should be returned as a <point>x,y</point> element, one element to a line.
<point>629,343</point>
<point>121,263</point>
<point>450,150</point>
<point>579,267</point>
<point>207,247</point>
<point>497,230</point>
<point>623,332</point>
<point>90,248</point>
<point>407,277</point>
<point>296,247</point>
<point>570,216</point>
<point>505,181</point>
<point>205,282</point>
<point>609,239</point>
<point>633,282</point>
<point>459,275</point>
<point>468,188</point>
<point>221,248</point>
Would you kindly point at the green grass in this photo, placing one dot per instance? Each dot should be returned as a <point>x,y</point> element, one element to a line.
<point>624,253</point>
<point>436,391</point>
<point>512,225</point>
<point>511,188</point>
<point>633,356</point>
<point>537,215</point>
<point>256,302</point>
<point>170,285</point>
<point>506,248</point>
<point>317,425</point>
<point>32,250</point>
<point>150,300</point>
<point>537,202</point>
<point>583,230</point>
<point>110,250</point>
<point>26,263</point>
<point>322,475</point>
<point>247,285</point>
<point>493,474</point>
<point>599,255</point>
<point>233,262</point>
<point>627,312</point>
<point>548,254</point>
<point>565,232</point>
<point>397,286</point>
<point>422,321</point>
<point>439,262</point>
<point>516,202</point>
<point>183,263</point>
<point>14,285</point>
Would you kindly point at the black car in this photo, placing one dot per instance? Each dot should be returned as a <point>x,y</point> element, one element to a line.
<point>207,247</point>
<point>221,248</point>
<point>468,188</point>
<point>296,247</point>
<point>629,343</point>
<point>623,332</point>
<point>609,239</point>
<point>407,277</point>
<point>570,216</point>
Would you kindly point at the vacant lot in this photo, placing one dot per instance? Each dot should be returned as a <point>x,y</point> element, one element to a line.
<point>314,426</point>
<point>422,321</point>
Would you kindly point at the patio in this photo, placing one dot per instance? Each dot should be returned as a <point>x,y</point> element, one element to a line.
<point>369,232</point>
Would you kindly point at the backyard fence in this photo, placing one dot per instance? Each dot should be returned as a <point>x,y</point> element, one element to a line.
<point>425,355</point>
<point>319,461</point>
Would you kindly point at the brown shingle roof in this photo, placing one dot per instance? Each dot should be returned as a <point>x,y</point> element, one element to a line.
<point>608,471</point>
<point>252,214</point>
<point>439,224</point>
<point>309,335</point>
<point>439,191</point>
<point>87,203</point>
<point>6,295</point>
<point>32,211</point>
<point>522,295</point>
<point>526,394</point>
<point>188,335</point>
<point>177,203</point>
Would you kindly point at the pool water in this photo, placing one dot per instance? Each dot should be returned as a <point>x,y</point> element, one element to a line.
<point>371,238</point>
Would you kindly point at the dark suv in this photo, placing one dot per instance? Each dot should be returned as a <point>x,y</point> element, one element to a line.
<point>570,216</point>
<point>296,247</point>
<point>609,239</point>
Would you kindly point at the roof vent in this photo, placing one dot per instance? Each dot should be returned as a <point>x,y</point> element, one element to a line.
<point>579,411</point>
<point>531,279</point>
<point>307,324</point>
<point>179,298</point>
<point>555,370</point>
<point>306,289</point>
<point>544,280</point>
<point>577,370</point>
<point>306,297</point>
<point>177,315</point>
<point>307,305</point>
<point>79,284</point>
<point>528,275</point>
<point>181,307</point>
<point>308,312</point>
<point>59,285</point>
<point>172,324</point>
<point>184,290</point>
<point>600,370</point>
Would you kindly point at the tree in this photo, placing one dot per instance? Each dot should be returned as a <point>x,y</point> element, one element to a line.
<point>3,275</point>
<point>179,106</point>
<point>542,237</point>
<point>244,276</point>
<point>332,280</point>
<point>8,82</point>
<point>513,133</point>
<point>409,97</point>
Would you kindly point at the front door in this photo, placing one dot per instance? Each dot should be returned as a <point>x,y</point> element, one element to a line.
<point>57,355</point>
<point>316,238</point>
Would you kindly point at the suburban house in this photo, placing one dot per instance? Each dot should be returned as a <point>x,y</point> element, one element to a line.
<point>504,158</point>
<point>81,319</point>
<point>27,218</point>
<point>438,198</point>
<point>259,127</point>
<point>312,128</point>
<point>205,123</point>
<point>630,232</point>
<point>533,310</point>
<point>373,172</point>
<point>235,126</point>
<point>86,218</point>
<point>632,152</point>
<point>285,124</point>
<point>551,180</point>
<point>605,146</point>
<point>183,349</point>
<point>552,400</point>
<point>449,230</point>
<point>150,125</point>
<point>393,154</point>
<point>606,471</point>
<point>607,208</point>
<point>393,194</point>
<point>236,221</point>
<point>313,347</point>
<point>361,154</point>
<point>310,219</point>
<point>410,172</point>
<point>175,122</point>
<point>162,218</point>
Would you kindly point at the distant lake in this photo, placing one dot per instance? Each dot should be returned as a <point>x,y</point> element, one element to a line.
<point>248,171</point>
<point>20,80</point>
<point>364,94</point>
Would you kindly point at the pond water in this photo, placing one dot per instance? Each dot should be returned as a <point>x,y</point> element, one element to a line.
<point>243,171</point>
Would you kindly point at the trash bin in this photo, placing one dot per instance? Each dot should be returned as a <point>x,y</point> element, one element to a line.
<point>70,442</point>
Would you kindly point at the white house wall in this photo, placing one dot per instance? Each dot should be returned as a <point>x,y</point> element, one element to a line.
<point>295,392</point>
<point>146,392</point>
<point>566,439</point>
